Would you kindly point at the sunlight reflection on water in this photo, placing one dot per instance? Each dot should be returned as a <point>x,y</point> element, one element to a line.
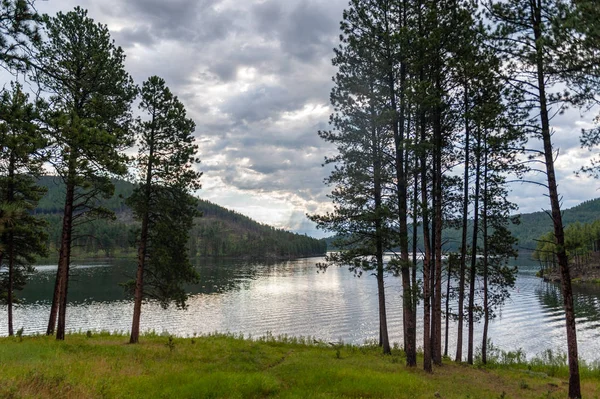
<point>292,298</point>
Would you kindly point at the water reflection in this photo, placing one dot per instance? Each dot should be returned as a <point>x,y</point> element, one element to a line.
<point>585,299</point>
<point>292,298</point>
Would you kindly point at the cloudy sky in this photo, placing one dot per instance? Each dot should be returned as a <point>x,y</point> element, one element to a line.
<point>255,76</point>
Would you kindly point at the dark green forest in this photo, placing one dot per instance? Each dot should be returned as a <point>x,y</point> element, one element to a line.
<point>528,231</point>
<point>533,225</point>
<point>219,232</point>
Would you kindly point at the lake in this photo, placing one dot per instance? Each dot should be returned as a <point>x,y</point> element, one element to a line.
<point>291,297</point>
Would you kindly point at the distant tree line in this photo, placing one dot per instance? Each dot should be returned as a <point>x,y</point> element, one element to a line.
<point>582,243</point>
<point>528,231</point>
<point>220,237</point>
<point>437,106</point>
<point>219,232</point>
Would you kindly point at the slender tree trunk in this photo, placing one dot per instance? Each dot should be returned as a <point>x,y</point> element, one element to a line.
<point>377,183</point>
<point>385,342</point>
<point>422,126</point>
<point>10,288</point>
<point>414,288</point>
<point>463,247</point>
<point>10,197</point>
<point>449,277</point>
<point>559,235</point>
<point>398,127</point>
<point>437,348</point>
<point>139,283</point>
<point>55,298</point>
<point>143,246</point>
<point>65,257</point>
<point>473,270</point>
<point>409,307</point>
<point>414,163</point>
<point>435,66</point>
<point>427,365</point>
<point>64,251</point>
<point>484,221</point>
<point>433,266</point>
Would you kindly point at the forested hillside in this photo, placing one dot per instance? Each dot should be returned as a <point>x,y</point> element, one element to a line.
<point>534,225</point>
<point>220,232</point>
<point>531,227</point>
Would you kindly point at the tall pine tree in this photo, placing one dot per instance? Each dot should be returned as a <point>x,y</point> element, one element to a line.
<point>90,97</point>
<point>533,37</point>
<point>362,215</point>
<point>162,202</point>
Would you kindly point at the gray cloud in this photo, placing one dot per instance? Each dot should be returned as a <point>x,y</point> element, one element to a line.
<point>259,103</point>
<point>190,21</point>
<point>309,34</point>
<point>256,76</point>
<point>139,34</point>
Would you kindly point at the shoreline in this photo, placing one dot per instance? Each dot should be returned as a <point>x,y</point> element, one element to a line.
<point>587,275</point>
<point>133,256</point>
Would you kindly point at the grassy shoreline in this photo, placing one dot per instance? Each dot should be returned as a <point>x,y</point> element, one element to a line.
<point>101,365</point>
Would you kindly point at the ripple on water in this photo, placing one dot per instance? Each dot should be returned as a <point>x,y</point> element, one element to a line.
<point>291,298</point>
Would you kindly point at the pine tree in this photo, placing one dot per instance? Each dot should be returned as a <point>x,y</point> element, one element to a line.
<point>162,201</point>
<point>442,30</point>
<point>362,215</point>
<point>22,235</point>
<point>502,141</point>
<point>533,38</point>
<point>91,95</point>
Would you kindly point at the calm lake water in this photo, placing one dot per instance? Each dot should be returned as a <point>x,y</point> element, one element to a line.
<point>291,298</point>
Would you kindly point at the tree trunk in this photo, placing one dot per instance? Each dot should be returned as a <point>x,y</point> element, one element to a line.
<point>437,331</point>
<point>385,341</point>
<point>410,331</point>
<point>10,197</point>
<point>377,183</point>
<point>473,270</point>
<point>449,277</point>
<point>398,125</point>
<point>143,246</point>
<point>11,271</point>
<point>415,235</point>
<point>139,283</point>
<point>422,123</point>
<point>433,266</point>
<point>427,366</point>
<point>65,258</point>
<point>414,288</point>
<point>55,298</point>
<point>559,235</point>
<point>463,248</point>
<point>484,221</point>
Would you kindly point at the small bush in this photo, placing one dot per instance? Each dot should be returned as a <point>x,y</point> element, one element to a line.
<point>170,343</point>
<point>20,334</point>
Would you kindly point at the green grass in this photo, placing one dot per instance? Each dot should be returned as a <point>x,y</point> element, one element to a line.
<point>223,366</point>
